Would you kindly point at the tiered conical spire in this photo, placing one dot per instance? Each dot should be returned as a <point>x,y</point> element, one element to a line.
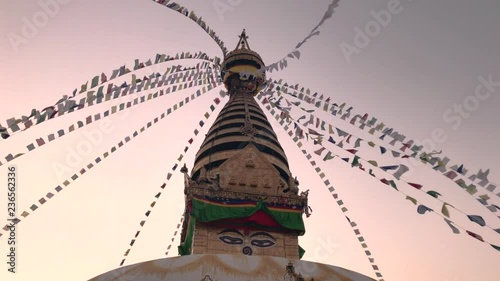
<point>241,197</point>
<point>241,121</point>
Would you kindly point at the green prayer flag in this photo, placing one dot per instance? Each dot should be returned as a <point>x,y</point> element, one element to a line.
<point>471,189</point>
<point>355,161</point>
<point>373,162</point>
<point>495,247</point>
<point>95,82</point>
<point>484,197</point>
<point>301,252</point>
<point>433,193</point>
<point>84,88</point>
<point>328,156</point>
<point>393,184</point>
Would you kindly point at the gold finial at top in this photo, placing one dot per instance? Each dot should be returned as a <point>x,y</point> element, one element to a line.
<point>243,43</point>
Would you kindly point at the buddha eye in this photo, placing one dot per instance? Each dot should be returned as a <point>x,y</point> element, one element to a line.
<point>231,240</point>
<point>262,243</point>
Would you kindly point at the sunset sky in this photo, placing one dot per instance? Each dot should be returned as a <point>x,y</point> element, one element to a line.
<point>413,74</point>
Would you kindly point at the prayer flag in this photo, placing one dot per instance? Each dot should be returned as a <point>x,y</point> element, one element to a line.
<point>402,169</point>
<point>477,219</point>
<point>416,185</point>
<point>495,247</point>
<point>477,236</point>
<point>444,210</point>
<point>355,161</point>
<point>392,167</point>
<point>434,194</point>
<point>95,81</point>
<point>422,209</point>
<point>328,156</point>
<point>453,228</point>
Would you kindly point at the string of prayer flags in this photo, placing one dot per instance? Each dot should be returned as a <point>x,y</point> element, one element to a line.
<point>68,105</point>
<point>441,162</point>
<point>174,235</point>
<point>97,160</point>
<point>157,197</point>
<point>402,168</point>
<point>295,53</point>
<point>90,119</point>
<point>355,163</point>
<point>340,203</point>
<point>422,209</point>
<point>198,20</point>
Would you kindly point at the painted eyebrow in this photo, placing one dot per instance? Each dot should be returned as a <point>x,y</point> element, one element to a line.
<point>231,231</point>
<point>263,234</point>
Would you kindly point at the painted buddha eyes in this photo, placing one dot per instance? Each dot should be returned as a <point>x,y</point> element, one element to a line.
<point>262,243</point>
<point>237,238</point>
<point>231,240</point>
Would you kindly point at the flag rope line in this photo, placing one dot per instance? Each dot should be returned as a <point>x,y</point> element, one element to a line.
<point>67,182</point>
<point>379,126</point>
<point>164,184</point>
<point>112,110</point>
<point>68,105</point>
<point>183,10</point>
<point>175,234</point>
<point>282,63</point>
<point>421,209</point>
<point>355,162</point>
<point>391,183</point>
<point>331,189</point>
<point>448,174</point>
<point>402,168</point>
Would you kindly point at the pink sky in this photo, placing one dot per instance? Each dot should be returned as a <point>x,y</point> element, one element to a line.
<point>408,76</point>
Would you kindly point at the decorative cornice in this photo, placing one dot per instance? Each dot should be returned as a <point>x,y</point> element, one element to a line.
<point>293,201</point>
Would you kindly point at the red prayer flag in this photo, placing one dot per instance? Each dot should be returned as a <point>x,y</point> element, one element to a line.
<point>416,185</point>
<point>477,236</point>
